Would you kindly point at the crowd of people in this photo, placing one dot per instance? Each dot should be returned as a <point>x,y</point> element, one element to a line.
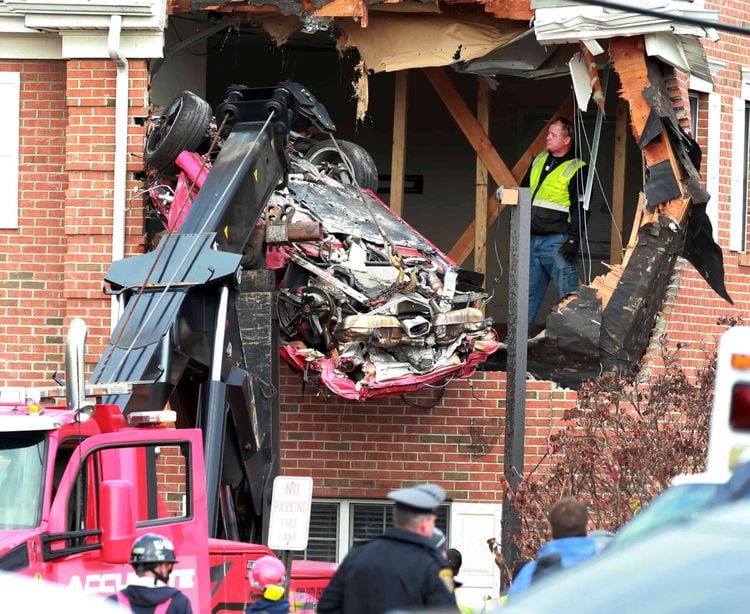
<point>408,567</point>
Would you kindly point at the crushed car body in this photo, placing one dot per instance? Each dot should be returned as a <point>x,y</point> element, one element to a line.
<point>366,305</point>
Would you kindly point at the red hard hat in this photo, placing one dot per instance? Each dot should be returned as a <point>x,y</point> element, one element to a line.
<point>265,571</point>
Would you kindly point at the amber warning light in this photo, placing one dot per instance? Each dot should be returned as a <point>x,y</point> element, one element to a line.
<point>741,361</point>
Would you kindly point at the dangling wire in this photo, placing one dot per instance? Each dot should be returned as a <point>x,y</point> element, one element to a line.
<point>501,272</point>
<point>579,132</point>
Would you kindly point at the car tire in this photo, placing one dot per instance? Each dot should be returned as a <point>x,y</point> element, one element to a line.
<point>182,127</point>
<point>326,156</point>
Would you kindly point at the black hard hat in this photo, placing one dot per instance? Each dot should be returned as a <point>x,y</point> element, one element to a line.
<point>152,548</point>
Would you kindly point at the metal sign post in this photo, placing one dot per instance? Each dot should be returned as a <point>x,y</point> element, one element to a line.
<point>515,397</point>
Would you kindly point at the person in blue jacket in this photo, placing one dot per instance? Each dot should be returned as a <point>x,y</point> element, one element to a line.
<point>570,545</point>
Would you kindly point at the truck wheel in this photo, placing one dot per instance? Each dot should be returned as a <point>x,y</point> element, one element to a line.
<point>326,156</point>
<point>184,126</point>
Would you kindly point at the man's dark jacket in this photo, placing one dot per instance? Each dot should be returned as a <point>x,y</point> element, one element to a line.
<point>144,599</point>
<point>398,570</point>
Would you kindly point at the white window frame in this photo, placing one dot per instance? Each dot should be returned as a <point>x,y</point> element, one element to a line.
<point>738,204</point>
<point>343,535</point>
<point>713,150</point>
<point>10,107</point>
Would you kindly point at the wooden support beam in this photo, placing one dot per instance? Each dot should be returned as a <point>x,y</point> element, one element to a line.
<point>618,182</point>
<point>480,217</point>
<point>473,132</point>
<point>398,151</point>
<point>629,58</point>
<point>463,247</point>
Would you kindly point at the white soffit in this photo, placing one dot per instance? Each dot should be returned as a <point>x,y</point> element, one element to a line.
<point>99,7</point>
<point>94,45</point>
<point>59,23</point>
<point>57,15</point>
<point>696,58</point>
<point>34,46</point>
<point>667,48</point>
<point>567,24</point>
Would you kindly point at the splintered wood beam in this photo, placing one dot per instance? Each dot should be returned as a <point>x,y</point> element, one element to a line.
<point>618,182</point>
<point>480,214</point>
<point>463,247</point>
<point>470,127</point>
<point>398,152</point>
<point>344,8</point>
<point>508,9</point>
<point>605,284</point>
<point>629,59</point>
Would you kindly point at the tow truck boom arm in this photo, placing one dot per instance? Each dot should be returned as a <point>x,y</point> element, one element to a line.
<point>176,341</point>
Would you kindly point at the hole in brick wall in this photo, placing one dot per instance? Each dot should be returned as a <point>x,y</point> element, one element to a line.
<point>139,176</point>
<point>140,121</point>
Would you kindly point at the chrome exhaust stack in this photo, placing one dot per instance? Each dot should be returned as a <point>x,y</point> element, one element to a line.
<point>75,384</point>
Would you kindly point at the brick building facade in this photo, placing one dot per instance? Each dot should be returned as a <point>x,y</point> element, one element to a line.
<point>53,260</point>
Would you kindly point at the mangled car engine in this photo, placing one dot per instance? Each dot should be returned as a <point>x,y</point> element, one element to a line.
<point>366,305</point>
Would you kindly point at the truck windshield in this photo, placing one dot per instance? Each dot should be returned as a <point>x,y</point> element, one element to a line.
<point>22,457</point>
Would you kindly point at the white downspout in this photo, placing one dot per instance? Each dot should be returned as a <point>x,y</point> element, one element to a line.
<point>121,147</point>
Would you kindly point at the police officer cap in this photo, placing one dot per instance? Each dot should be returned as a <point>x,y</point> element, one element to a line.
<point>423,497</point>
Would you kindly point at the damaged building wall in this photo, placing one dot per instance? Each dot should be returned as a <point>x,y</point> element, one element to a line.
<point>439,162</point>
<point>694,315</point>
<point>459,439</point>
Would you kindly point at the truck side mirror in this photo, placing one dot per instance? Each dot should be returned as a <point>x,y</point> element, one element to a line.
<point>117,513</point>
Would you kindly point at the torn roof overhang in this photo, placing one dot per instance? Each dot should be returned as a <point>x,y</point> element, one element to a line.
<point>508,9</point>
<point>559,21</point>
<point>522,57</point>
<point>397,42</point>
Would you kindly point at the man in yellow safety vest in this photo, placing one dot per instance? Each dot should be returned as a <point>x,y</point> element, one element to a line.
<point>556,180</point>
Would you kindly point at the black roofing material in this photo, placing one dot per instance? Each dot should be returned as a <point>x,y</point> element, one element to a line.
<point>662,185</point>
<point>628,320</point>
<point>568,352</point>
<point>702,252</point>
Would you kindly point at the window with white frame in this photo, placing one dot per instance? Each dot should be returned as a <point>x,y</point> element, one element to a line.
<point>10,100</point>
<point>694,100</point>
<point>705,111</point>
<point>740,160</point>
<point>337,525</point>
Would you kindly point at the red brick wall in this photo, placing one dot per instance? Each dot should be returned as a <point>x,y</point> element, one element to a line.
<point>51,269</point>
<point>90,147</point>
<point>366,449</point>
<point>31,257</point>
<point>52,266</point>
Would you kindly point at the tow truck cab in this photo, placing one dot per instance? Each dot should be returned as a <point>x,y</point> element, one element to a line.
<point>74,495</point>
<point>729,439</point>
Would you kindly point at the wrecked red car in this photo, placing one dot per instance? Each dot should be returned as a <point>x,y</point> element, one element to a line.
<point>366,305</point>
